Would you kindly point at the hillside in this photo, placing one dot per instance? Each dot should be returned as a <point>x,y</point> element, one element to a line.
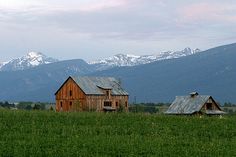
<point>39,83</point>
<point>210,72</point>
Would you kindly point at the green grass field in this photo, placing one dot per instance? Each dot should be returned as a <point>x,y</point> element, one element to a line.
<point>35,133</point>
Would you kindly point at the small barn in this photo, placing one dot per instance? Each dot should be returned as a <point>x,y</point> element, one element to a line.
<point>91,94</point>
<point>194,104</point>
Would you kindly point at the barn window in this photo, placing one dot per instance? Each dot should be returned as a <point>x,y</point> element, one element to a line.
<point>70,92</point>
<point>70,103</point>
<point>209,106</point>
<point>116,104</point>
<point>61,104</point>
<point>107,103</point>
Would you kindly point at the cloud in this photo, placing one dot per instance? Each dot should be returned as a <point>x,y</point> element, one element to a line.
<point>143,22</point>
<point>62,5</point>
<point>211,12</point>
<point>111,18</point>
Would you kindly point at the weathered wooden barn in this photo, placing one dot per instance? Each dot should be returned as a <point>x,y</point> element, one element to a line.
<point>194,104</point>
<point>91,94</point>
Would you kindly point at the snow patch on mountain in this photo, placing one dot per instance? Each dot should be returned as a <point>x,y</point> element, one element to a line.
<point>30,60</point>
<point>33,59</point>
<point>132,60</point>
<point>2,64</point>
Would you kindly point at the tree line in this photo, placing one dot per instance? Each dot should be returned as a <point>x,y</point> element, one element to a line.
<point>137,107</point>
<point>26,105</point>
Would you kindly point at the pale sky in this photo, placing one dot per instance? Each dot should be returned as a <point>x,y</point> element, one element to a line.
<point>93,29</point>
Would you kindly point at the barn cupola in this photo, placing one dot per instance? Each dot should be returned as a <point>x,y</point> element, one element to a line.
<point>193,94</point>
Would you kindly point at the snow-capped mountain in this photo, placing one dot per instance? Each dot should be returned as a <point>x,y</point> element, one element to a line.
<point>132,60</point>
<point>33,59</point>
<point>2,64</point>
<point>30,60</point>
<point>40,83</point>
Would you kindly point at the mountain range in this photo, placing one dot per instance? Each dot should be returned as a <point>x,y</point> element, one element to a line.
<point>33,59</point>
<point>210,72</point>
<point>120,60</point>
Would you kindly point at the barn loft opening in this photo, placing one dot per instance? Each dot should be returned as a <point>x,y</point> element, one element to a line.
<point>209,106</point>
<point>70,92</point>
<point>107,103</point>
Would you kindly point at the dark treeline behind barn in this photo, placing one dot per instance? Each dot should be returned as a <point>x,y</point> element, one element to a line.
<point>151,108</point>
<point>27,105</point>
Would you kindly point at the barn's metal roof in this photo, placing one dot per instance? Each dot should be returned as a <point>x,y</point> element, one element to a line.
<point>93,85</point>
<point>187,104</point>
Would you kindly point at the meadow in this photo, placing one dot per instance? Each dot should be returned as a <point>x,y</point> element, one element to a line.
<point>44,133</point>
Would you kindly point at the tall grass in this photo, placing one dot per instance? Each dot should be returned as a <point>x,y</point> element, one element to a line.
<point>35,133</point>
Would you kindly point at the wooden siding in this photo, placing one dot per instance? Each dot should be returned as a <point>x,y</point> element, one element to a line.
<point>70,93</point>
<point>96,103</point>
<point>70,97</point>
<point>213,104</point>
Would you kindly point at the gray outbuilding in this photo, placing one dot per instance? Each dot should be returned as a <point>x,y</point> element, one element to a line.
<point>194,104</point>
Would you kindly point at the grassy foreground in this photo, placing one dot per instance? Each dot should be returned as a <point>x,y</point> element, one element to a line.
<point>34,133</point>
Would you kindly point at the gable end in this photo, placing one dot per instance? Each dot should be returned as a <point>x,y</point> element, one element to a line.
<point>66,82</point>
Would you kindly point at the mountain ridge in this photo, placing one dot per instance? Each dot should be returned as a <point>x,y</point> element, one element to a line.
<point>211,72</point>
<point>31,59</point>
<point>120,60</point>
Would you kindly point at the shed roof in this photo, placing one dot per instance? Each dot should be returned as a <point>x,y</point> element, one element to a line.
<point>92,85</point>
<point>189,104</point>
